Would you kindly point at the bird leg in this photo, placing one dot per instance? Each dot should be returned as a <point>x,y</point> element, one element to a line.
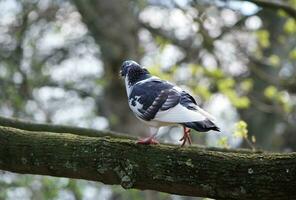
<point>186,137</point>
<point>148,140</point>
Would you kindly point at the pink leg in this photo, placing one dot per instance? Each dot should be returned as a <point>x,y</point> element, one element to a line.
<point>148,140</point>
<point>186,137</point>
<point>151,139</point>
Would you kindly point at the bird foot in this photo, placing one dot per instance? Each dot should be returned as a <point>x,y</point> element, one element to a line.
<point>147,141</point>
<point>186,137</point>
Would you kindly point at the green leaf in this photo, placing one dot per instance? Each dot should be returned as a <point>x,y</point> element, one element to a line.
<point>282,13</point>
<point>203,92</point>
<point>283,100</point>
<point>290,26</point>
<point>241,130</point>
<point>274,60</point>
<point>292,54</point>
<point>223,141</point>
<point>270,92</point>
<point>196,69</point>
<point>215,73</point>
<point>263,38</point>
<point>225,84</point>
<point>246,85</point>
<point>242,102</point>
<point>239,102</point>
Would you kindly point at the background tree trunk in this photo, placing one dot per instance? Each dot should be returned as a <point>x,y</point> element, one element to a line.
<point>114,27</point>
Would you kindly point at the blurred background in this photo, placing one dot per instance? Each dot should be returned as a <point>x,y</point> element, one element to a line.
<point>60,60</point>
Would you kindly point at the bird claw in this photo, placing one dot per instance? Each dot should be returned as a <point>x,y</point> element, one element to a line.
<point>186,137</point>
<point>147,141</point>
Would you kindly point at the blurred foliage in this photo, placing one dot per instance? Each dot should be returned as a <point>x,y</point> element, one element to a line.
<point>290,26</point>
<point>263,38</point>
<point>241,130</point>
<point>223,142</point>
<point>59,63</point>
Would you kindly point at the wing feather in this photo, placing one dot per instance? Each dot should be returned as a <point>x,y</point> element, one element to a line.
<point>167,99</point>
<point>170,104</point>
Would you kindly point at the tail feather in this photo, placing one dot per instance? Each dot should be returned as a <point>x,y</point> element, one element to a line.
<point>205,113</point>
<point>202,126</point>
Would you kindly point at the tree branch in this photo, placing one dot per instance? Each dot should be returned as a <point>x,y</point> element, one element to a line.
<point>190,50</point>
<point>192,171</point>
<point>274,6</point>
<point>169,36</point>
<point>43,127</point>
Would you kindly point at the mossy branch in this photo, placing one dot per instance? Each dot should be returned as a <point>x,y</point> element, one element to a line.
<point>192,171</point>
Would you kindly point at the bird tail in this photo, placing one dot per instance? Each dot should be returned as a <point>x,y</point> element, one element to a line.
<point>202,126</point>
<point>205,113</point>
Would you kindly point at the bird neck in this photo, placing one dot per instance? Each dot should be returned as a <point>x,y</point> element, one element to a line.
<point>134,78</point>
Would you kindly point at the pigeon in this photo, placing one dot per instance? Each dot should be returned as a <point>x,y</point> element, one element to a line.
<point>160,103</point>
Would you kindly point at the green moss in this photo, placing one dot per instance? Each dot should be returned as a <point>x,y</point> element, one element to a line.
<point>101,170</point>
<point>68,165</point>
<point>189,163</point>
<point>24,160</point>
<point>126,182</point>
<point>207,188</point>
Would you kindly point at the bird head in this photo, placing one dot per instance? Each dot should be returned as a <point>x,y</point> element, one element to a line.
<point>127,65</point>
<point>133,71</point>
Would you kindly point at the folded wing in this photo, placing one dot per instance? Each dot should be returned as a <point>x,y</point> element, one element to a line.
<point>174,106</point>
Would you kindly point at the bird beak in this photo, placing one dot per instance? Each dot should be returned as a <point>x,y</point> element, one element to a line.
<point>121,73</point>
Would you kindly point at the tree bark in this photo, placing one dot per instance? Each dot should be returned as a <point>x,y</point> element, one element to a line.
<point>192,171</point>
<point>113,25</point>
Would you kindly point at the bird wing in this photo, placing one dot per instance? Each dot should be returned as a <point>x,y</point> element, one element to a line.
<point>185,110</point>
<point>162,101</point>
<point>166,99</point>
<point>147,96</point>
